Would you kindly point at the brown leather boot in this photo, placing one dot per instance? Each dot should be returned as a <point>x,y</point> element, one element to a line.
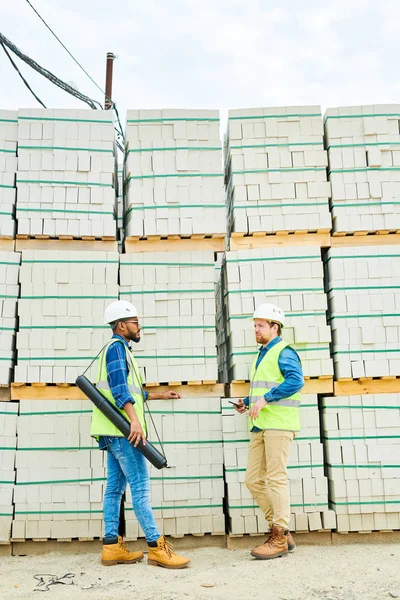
<point>290,542</point>
<point>164,556</point>
<point>275,546</point>
<point>118,554</point>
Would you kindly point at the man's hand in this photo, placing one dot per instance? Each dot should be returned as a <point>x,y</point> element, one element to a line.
<point>168,395</point>
<point>241,408</point>
<point>136,434</point>
<point>255,409</point>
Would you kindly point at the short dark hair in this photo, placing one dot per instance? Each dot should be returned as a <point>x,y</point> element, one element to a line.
<point>279,326</point>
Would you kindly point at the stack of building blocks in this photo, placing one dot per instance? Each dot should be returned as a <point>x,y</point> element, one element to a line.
<point>173,173</point>
<point>307,481</point>
<point>364,166</point>
<point>66,173</point>
<point>175,298</point>
<point>187,498</point>
<point>61,312</point>
<point>8,169</point>
<point>9,291</point>
<point>120,204</point>
<point>276,170</point>
<point>362,447</point>
<point>362,285</point>
<point>60,473</point>
<point>8,445</point>
<point>291,278</point>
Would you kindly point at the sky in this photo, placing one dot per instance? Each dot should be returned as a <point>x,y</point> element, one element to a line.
<point>207,54</point>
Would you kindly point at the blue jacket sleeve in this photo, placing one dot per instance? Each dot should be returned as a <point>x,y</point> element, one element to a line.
<point>290,366</point>
<point>117,375</point>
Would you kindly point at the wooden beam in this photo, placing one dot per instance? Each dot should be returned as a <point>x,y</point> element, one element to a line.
<point>52,244</point>
<point>215,244</point>
<point>366,386</point>
<point>248,242</point>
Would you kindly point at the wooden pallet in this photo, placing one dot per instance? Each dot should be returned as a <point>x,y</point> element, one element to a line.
<point>312,385</point>
<point>5,393</point>
<point>66,391</point>
<point>175,243</point>
<point>66,243</point>
<point>341,239</point>
<point>367,385</point>
<point>7,244</point>
<point>260,239</point>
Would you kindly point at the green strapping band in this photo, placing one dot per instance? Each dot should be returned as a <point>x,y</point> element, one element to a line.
<point>366,287</point>
<point>7,329</point>
<point>161,175</point>
<point>154,207</point>
<point>363,169</point>
<point>75,183</point>
<point>288,314</point>
<point>7,262</point>
<point>240,146</point>
<point>362,116</point>
<point>63,210</point>
<point>280,205</point>
<point>64,120</point>
<point>186,442</point>
<point>168,292</point>
<point>297,350</point>
<point>166,119</point>
<point>264,259</point>
<point>275,290</point>
<point>365,502</point>
<point>169,264</point>
<point>90,262</point>
<point>283,170</point>
<point>8,296</point>
<point>242,470</point>
<point>243,506</point>
<point>364,256</point>
<point>6,514</point>
<point>8,151</point>
<point>359,407</point>
<point>363,316</point>
<point>345,204</point>
<point>297,439</point>
<point>95,479</point>
<point>69,297</point>
<point>4,412</point>
<point>7,448</point>
<point>8,121</point>
<point>57,358</point>
<point>142,357</point>
<point>8,214</point>
<point>63,148</point>
<point>78,512</point>
<point>363,466</point>
<point>63,327</point>
<point>85,412</point>
<point>56,412</point>
<point>361,351</point>
<point>211,148</point>
<point>9,187</point>
<point>363,437</point>
<point>362,145</point>
<point>274,116</point>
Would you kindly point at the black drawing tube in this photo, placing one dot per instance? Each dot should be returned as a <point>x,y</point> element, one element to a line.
<point>148,450</point>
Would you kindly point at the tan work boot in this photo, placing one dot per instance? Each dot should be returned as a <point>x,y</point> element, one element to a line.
<point>276,545</point>
<point>164,556</point>
<point>290,540</point>
<point>118,554</point>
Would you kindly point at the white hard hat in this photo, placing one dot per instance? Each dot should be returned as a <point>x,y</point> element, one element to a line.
<point>120,309</point>
<point>270,312</point>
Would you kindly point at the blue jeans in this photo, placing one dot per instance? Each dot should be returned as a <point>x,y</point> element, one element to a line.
<point>125,464</point>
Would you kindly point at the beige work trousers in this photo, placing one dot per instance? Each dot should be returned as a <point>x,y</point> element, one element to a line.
<point>266,474</point>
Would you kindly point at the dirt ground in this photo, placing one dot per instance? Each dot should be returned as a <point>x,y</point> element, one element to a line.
<point>351,572</point>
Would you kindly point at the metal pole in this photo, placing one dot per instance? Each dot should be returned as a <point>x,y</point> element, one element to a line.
<point>109,80</point>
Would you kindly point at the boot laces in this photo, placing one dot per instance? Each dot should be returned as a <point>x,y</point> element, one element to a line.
<point>123,546</point>
<point>167,546</point>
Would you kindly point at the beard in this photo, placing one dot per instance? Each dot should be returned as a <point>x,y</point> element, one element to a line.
<point>134,337</point>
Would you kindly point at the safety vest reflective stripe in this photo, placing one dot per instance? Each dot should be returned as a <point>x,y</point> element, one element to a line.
<point>283,402</point>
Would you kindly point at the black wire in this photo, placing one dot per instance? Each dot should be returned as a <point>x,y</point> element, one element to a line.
<point>58,82</point>
<point>22,77</point>
<point>121,131</point>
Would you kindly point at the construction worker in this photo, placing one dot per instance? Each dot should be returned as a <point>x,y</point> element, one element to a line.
<point>273,405</point>
<point>120,382</point>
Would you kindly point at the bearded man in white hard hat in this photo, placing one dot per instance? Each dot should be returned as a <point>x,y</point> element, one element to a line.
<point>273,404</point>
<point>120,382</point>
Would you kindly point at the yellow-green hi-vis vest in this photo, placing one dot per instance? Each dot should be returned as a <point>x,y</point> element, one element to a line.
<point>100,424</point>
<point>282,414</point>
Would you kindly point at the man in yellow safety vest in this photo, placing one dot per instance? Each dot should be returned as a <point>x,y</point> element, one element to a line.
<point>273,404</point>
<point>120,382</point>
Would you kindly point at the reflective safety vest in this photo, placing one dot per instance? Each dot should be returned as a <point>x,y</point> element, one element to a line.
<point>100,424</point>
<point>283,414</point>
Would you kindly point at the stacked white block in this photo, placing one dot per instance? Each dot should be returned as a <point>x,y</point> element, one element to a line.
<point>9,291</point>
<point>188,497</point>
<point>61,312</point>
<point>66,173</point>
<point>223,363</point>
<point>307,482</point>
<point>276,170</point>
<point>120,204</point>
<point>363,285</point>
<point>8,169</point>
<point>362,447</point>
<point>60,473</point>
<point>364,164</point>
<point>175,298</point>
<point>292,278</point>
<point>173,170</point>
<point>8,445</point>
